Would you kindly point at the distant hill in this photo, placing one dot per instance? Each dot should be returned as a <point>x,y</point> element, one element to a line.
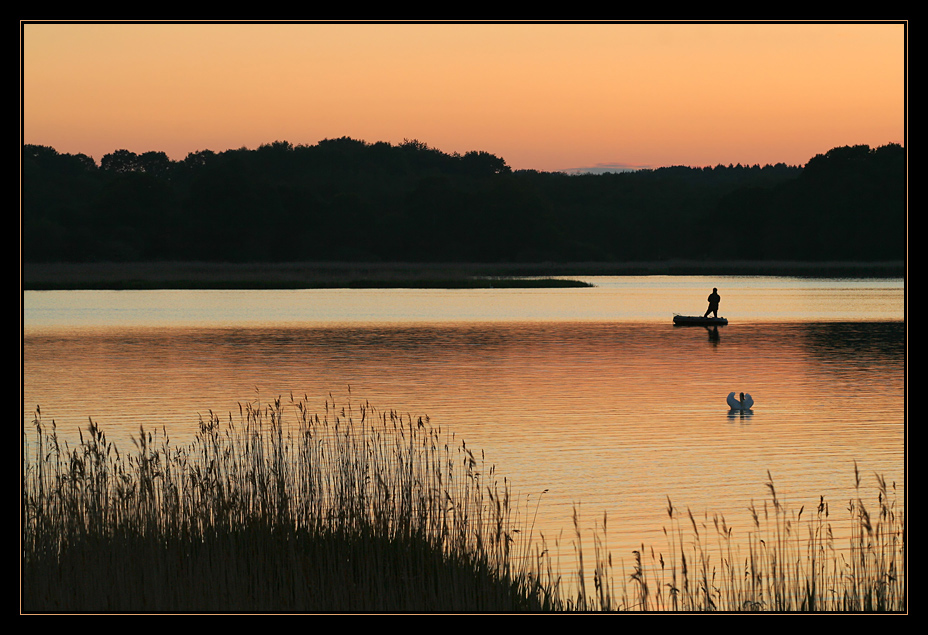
<point>348,200</point>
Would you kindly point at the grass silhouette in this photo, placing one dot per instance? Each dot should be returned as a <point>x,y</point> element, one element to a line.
<point>359,510</point>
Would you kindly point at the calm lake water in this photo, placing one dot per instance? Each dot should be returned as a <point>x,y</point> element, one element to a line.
<point>589,393</point>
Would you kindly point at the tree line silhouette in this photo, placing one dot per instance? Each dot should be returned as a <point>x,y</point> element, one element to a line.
<point>349,200</point>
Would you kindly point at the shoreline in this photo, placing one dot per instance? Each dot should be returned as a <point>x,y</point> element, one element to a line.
<point>323,275</point>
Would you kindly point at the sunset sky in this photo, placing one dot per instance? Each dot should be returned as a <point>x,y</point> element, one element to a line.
<point>541,96</point>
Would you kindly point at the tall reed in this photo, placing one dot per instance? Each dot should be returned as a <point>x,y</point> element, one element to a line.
<point>790,561</point>
<point>338,513</point>
<point>361,510</point>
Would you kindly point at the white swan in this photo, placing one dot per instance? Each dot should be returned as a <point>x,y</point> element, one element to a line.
<point>744,403</point>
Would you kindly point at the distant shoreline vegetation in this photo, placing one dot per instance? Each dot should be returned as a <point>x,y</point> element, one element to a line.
<point>346,200</point>
<point>205,275</point>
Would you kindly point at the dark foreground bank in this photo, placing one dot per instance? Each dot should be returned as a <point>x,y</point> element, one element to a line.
<point>313,275</point>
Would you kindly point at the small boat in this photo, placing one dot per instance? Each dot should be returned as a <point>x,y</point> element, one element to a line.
<point>744,402</point>
<point>698,320</point>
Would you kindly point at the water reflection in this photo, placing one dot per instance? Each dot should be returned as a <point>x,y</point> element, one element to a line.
<point>618,415</point>
<point>652,299</point>
<point>742,415</point>
<point>530,394</point>
<point>842,341</point>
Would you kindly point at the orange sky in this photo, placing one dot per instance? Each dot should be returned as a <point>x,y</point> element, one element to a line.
<point>548,97</point>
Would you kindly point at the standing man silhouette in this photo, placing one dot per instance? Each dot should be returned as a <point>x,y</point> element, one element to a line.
<point>714,300</point>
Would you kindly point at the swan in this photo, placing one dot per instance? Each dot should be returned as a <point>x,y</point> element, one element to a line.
<point>744,403</point>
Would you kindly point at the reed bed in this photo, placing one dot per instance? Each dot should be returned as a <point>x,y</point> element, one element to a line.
<point>789,561</point>
<point>362,510</point>
<point>380,513</point>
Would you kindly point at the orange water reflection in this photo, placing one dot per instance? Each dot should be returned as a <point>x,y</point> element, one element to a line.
<point>615,416</point>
